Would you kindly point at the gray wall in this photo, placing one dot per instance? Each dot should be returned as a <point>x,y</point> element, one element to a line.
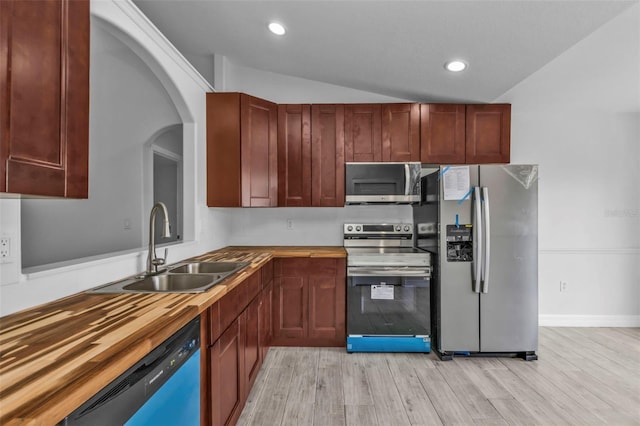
<point>579,118</point>
<point>128,105</point>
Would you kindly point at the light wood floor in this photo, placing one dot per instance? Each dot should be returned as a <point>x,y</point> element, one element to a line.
<point>584,376</point>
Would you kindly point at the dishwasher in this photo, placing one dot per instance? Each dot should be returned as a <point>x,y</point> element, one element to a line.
<point>163,388</point>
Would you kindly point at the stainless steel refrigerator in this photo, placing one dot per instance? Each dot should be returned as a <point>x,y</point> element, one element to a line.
<point>481,224</point>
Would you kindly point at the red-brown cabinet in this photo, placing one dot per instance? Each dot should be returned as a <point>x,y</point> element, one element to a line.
<point>44,97</point>
<point>488,134</point>
<point>363,132</point>
<point>400,132</point>
<point>442,133</point>
<point>226,372</point>
<point>465,134</point>
<point>266,312</point>
<point>309,302</point>
<point>310,156</point>
<point>236,335</point>
<point>241,151</point>
<point>327,155</point>
<point>294,155</point>
<point>382,132</point>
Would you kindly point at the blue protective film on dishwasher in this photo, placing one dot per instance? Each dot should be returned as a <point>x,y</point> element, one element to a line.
<point>177,402</point>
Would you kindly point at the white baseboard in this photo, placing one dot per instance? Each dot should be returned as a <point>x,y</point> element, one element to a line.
<point>589,320</point>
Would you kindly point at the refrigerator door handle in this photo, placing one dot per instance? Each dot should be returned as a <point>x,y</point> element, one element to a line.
<point>486,217</point>
<point>477,240</point>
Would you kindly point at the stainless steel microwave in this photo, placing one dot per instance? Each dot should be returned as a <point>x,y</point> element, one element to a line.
<point>382,183</point>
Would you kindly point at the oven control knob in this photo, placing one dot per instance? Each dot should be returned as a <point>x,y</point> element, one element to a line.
<point>358,228</point>
<point>349,228</point>
<point>406,228</point>
<point>398,228</point>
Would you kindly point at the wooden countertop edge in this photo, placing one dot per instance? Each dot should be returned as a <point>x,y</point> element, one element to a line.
<point>106,366</point>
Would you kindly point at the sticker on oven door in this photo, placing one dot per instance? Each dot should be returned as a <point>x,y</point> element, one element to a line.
<point>383,291</point>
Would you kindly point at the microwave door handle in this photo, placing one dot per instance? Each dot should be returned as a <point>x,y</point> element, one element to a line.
<point>407,179</point>
<point>477,240</point>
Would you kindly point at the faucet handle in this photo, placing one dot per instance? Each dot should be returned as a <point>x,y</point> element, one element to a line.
<point>159,261</point>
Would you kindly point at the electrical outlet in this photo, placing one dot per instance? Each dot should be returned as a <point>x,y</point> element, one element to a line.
<point>563,286</point>
<point>5,249</point>
<point>289,224</point>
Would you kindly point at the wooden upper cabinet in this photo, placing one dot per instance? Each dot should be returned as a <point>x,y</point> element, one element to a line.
<point>241,151</point>
<point>382,132</point>
<point>363,132</point>
<point>488,133</point>
<point>442,133</point>
<point>327,155</point>
<point>400,132</point>
<point>44,97</point>
<point>294,155</point>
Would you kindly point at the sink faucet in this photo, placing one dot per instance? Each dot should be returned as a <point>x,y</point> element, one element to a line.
<point>152,260</point>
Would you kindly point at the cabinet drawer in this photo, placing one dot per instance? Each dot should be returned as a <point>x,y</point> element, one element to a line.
<point>267,273</point>
<point>253,285</point>
<point>213,323</point>
<point>232,304</point>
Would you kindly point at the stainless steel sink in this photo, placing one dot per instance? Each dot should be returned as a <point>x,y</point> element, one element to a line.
<point>174,283</point>
<point>226,268</point>
<point>186,277</point>
<point>163,283</point>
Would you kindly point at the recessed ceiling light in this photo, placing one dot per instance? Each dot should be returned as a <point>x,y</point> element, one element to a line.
<point>277,28</point>
<point>455,66</point>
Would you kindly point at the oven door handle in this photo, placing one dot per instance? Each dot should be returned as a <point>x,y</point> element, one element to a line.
<point>360,271</point>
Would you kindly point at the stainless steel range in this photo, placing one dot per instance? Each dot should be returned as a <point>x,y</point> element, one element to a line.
<point>388,289</point>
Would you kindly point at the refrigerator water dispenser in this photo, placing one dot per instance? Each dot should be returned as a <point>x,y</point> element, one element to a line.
<point>459,243</point>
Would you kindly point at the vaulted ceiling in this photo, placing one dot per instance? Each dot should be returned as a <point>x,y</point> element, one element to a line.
<point>394,48</point>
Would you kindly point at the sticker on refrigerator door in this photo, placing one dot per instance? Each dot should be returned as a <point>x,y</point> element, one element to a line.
<point>526,175</point>
<point>456,183</point>
<point>382,292</point>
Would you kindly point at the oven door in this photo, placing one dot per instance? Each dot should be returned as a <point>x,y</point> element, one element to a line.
<point>388,301</point>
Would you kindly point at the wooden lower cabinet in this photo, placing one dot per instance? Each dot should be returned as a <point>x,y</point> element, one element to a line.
<point>309,302</point>
<point>298,302</point>
<point>252,353</point>
<point>234,356</point>
<point>226,372</point>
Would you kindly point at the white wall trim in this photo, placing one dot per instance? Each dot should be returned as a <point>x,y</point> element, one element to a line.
<point>589,320</point>
<point>131,10</point>
<point>615,251</point>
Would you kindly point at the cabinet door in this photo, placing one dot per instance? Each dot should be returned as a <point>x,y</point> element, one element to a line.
<point>327,296</point>
<point>44,92</point>
<point>327,155</point>
<point>488,133</point>
<point>290,320</point>
<point>400,132</point>
<point>294,155</point>
<point>363,133</point>
<point>265,315</point>
<point>259,162</point>
<point>226,359</point>
<point>442,133</point>
<point>223,150</point>
<point>252,358</point>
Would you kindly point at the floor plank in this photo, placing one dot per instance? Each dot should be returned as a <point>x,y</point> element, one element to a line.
<point>580,378</point>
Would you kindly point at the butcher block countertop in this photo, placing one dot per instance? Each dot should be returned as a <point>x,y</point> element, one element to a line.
<point>56,356</point>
